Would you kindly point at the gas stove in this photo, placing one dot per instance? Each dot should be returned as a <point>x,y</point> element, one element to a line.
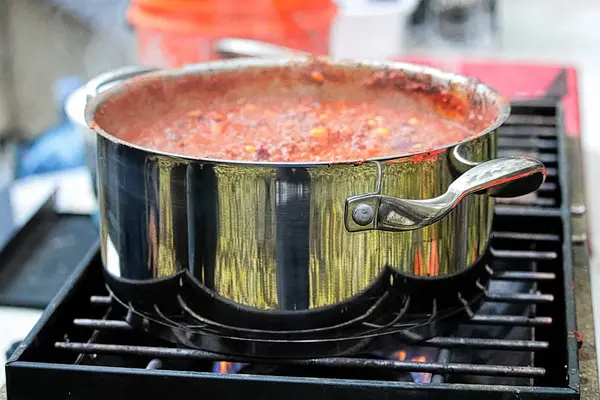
<point>524,342</point>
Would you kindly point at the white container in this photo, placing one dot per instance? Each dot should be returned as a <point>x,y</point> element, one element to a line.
<point>371,29</point>
<point>75,109</point>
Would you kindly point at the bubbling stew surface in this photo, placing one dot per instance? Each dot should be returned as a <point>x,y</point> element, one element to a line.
<point>303,116</point>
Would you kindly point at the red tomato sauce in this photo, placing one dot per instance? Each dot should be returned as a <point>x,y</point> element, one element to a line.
<point>305,130</point>
<point>302,117</point>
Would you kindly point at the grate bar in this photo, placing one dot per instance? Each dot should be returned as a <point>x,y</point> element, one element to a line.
<point>536,202</point>
<point>536,298</point>
<point>514,320</point>
<point>527,143</point>
<point>531,123</point>
<point>443,358</point>
<point>548,186</point>
<point>524,276</point>
<point>487,344</point>
<point>546,158</point>
<point>362,363</point>
<point>525,254</point>
<point>102,324</point>
<point>100,300</point>
<point>539,237</point>
<point>503,210</point>
<point>528,201</point>
<point>509,320</point>
<point>543,202</point>
<point>551,172</point>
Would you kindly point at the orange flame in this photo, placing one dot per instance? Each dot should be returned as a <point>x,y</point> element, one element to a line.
<point>402,355</point>
<point>419,359</point>
<point>226,367</point>
<point>433,267</point>
<point>418,263</point>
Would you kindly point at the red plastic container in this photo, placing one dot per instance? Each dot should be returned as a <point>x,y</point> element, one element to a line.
<point>172,33</point>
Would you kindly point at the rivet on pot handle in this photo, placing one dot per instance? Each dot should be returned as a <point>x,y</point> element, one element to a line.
<point>376,211</point>
<point>104,81</point>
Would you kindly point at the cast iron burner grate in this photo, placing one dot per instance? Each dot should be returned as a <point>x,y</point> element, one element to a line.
<point>520,344</point>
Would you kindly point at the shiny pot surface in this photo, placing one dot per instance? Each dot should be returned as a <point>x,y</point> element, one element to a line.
<point>287,238</point>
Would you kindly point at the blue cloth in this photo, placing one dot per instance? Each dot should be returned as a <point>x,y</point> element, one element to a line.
<point>96,218</point>
<point>60,147</point>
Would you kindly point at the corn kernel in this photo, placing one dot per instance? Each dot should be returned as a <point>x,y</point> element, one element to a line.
<point>217,128</point>
<point>195,113</point>
<point>382,131</point>
<point>317,77</point>
<point>413,121</point>
<point>317,132</point>
<point>250,149</point>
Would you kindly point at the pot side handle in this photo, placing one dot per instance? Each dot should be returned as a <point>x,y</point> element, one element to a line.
<point>379,212</point>
<point>461,164</point>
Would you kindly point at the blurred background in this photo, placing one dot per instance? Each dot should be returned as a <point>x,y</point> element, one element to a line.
<point>50,48</point>
<point>42,41</point>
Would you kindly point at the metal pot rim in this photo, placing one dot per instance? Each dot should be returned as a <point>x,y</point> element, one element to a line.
<point>234,64</point>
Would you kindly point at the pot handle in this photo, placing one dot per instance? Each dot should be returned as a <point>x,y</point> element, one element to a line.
<point>104,81</point>
<point>462,164</point>
<point>240,48</point>
<point>378,212</point>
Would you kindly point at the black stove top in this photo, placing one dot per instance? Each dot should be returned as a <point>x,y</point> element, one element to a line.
<point>521,343</point>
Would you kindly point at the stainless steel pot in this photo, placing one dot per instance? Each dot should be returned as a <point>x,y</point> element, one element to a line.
<point>283,240</point>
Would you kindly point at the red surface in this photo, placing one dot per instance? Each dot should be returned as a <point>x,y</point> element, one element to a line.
<point>172,33</point>
<point>517,81</point>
